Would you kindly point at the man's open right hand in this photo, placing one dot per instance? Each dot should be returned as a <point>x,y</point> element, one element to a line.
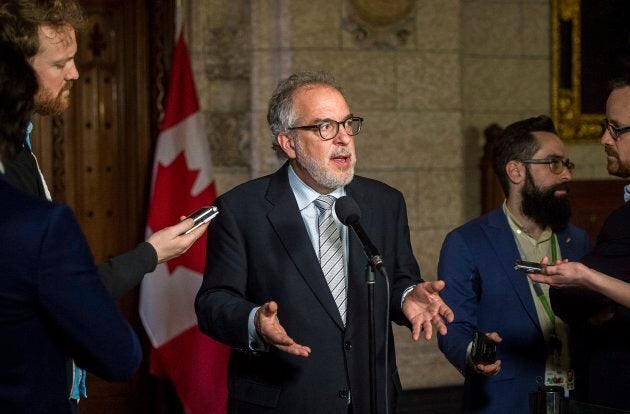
<point>269,328</point>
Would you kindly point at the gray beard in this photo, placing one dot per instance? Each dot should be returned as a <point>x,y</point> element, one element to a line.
<point>319,173</point>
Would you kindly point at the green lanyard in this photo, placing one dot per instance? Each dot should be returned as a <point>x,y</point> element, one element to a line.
<point>538,289</point>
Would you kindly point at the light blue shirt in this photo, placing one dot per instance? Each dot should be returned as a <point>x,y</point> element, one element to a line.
<point>305,197</point>
<point>27,138</point>
<point>626,193</point>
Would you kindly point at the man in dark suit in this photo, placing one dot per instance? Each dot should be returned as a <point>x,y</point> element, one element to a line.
<point>603,325</point>
<point>52,303</point>
<point>268,289</point>
<point>486,292</point>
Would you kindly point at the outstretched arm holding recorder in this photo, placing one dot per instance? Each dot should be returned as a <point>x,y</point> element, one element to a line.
<point>565,274</point>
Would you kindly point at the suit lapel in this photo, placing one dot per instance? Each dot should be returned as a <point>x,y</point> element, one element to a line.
<point>567,246</point>
<point>502,240</point>
<point>285,218</point>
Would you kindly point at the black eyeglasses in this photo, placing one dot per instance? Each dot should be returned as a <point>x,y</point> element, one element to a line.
<point>613,130</point>
<point>329,128</point>
<point>556,165</point>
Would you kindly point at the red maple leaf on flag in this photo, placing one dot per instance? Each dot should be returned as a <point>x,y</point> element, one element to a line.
<point>171,200</point>
<point>195,363</point>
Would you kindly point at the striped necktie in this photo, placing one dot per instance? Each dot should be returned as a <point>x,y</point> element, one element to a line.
<point>331,253</point>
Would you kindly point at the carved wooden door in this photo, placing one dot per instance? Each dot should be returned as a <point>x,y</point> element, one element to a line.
<point>97,158</point>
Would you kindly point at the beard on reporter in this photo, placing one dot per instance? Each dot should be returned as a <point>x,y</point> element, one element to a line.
<point>545,207</point>
<point>47,104</point>
<point>615,165</point>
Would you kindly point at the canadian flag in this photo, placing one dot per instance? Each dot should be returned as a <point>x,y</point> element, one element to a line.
<point>182,182</point>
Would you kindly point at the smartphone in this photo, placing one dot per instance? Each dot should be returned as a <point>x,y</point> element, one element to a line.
<point>483,349</point>
<point>202,216</point>
<point>528,267</point>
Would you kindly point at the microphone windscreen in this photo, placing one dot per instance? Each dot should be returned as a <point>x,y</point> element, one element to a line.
<point>347,210</point>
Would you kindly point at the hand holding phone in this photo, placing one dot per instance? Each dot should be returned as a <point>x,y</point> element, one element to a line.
<point>483,349</point>
<point>202,216</point>
<point>529,267</point>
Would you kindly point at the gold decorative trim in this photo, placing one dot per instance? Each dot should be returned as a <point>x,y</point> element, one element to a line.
<point>566,83</point>
<point>380,13</point>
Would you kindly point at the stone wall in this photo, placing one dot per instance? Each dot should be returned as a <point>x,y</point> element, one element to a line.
<point>427,84</point>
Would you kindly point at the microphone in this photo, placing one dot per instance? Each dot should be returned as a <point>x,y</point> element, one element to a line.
<point>348,212</point>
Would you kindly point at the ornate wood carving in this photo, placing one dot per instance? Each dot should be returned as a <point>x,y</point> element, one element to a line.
<point>99,156</point>
<point>380,23</point>
<point>59,170</point>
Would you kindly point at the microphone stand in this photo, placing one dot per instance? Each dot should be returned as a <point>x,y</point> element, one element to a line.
<point>371,280</point>
<point>350,215</point>
<point>374,262</point>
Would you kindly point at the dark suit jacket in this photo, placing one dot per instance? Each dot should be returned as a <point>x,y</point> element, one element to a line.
<point>119,274</point>
<point>259,250</point>
<point>485,292</point>
<point>52,306</point>
<point>605,349</point>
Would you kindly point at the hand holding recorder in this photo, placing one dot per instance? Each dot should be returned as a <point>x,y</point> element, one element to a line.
<point>202,216</point>
<point>483,353</point>
<point>173,241</point>
<point>529,267</point>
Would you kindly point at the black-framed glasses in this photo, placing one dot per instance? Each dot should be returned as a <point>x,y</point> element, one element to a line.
<point>329,128</point>
<point>614,131</point>
<point>556,165</point>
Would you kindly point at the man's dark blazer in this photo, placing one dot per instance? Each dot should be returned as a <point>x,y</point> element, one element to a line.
<point>259,250</point>
<point>119,274</point>
<point>605,348</point>
<point>486,293</point>
<point>52,306</point>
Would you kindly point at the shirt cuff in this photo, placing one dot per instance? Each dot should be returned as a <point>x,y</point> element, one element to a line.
<point>469,360</point>
<point>405,293</point>
<point>256,343</point>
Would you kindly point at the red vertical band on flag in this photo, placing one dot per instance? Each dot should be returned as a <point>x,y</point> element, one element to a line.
<point>182,182</point>
<point>181,99</point>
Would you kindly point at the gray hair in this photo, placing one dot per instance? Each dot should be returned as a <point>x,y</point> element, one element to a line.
<point>280,114</point>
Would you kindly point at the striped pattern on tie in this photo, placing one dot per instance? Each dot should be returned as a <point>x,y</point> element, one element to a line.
<point>331,253</point>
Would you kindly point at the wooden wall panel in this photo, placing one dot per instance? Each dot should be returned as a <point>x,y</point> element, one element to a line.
<point>97,158</point>
<point>592,201</point>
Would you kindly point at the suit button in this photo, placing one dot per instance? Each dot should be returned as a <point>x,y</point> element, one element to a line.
<point>348,345</point>
<point>343,394</point>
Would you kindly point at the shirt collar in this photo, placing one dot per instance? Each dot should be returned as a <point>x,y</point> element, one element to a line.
<point>27,138</point>
<point>518,228</point>
<point>626,193</point>
<point>27,141</point>
<point>305,195</point>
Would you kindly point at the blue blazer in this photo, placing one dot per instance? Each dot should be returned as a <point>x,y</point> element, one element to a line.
<point>259,250</point>
<point>485,292</point>
<point>52,307</point>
